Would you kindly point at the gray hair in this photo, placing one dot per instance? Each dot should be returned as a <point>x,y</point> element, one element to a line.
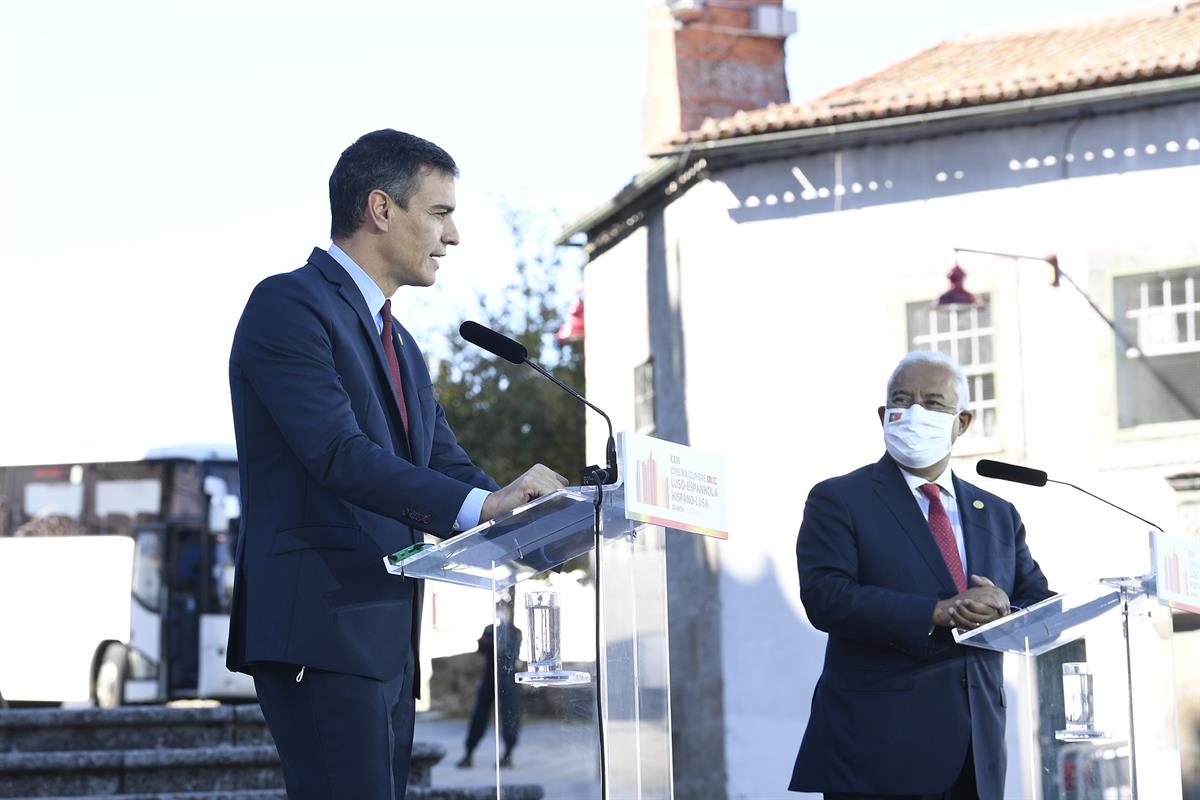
<point>962,389</point>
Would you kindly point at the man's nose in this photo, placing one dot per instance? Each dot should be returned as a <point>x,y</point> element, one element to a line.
<point>450,233</point>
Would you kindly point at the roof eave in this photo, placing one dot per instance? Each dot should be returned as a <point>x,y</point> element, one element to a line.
<point>639,186</point>
<point>848,134</point>
<point>949,120</point>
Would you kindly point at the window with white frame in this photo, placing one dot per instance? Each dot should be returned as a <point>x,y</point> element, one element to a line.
<point>1164,311</point>
<point>966,336</point>
<point>643,397</point>
<point>1159,317</point>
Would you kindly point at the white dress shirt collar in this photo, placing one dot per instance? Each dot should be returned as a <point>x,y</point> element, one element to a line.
<point>945,480</point>
<point>366,284</point>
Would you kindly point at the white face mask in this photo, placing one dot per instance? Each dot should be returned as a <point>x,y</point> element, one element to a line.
<point>916,437</point>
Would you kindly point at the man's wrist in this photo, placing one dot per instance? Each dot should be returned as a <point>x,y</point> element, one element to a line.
<point>471,510</point>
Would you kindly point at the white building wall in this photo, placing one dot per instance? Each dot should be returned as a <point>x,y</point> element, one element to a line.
<point>618,337</point>
<point>794,315</point>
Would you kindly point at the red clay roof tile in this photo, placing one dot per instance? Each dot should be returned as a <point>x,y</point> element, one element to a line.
<point>1140,46</point>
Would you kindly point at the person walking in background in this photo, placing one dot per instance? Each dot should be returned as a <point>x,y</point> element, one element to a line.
<point>499,653</point>
<point>345,456</point>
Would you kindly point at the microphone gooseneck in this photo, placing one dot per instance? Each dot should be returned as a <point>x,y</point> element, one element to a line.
<point>500,345</point>
<point>513,351</point>
<point>1036,477</point>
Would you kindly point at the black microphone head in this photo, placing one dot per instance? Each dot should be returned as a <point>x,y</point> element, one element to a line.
<point>1010,472</point>
<point>495,343</point>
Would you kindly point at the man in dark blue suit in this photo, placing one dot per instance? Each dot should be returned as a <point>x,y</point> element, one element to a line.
<point>891,557</point>
<point>345,457</point>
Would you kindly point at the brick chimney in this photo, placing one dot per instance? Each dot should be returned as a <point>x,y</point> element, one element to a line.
<point>711,58</point>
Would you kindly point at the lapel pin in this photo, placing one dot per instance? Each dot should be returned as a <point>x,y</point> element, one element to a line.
<point>978,504</point>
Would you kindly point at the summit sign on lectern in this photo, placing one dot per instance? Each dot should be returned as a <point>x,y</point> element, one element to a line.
<point>673,485</point>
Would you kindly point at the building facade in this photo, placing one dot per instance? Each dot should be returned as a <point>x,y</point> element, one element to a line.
<point>751,290</point>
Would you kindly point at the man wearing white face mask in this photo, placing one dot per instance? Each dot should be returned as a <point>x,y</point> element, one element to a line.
<point>891,557</point>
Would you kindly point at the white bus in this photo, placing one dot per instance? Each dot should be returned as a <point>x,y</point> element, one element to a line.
<point>116,579</point>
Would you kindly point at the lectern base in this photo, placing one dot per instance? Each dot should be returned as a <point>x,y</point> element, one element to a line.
<point>558,677</point>
<point>1080,736</point>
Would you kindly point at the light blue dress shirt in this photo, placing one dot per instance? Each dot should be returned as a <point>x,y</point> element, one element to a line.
<point>472,507</point>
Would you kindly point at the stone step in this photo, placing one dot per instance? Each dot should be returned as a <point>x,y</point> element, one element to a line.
<point>130,728</point>
<point>248,794</point>
<point>110,772</point>
<point>114,772</point>
<point>516,792</point>
<point>190,753</point>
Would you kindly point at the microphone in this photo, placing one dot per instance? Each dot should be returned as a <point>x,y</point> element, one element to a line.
<point>1036,477</point>
<point>495,343</point>
<point>513,351</point>
<point>1011,472</point>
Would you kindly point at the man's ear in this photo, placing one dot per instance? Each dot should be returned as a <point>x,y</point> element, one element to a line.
<point>964,420</point>
<point>379,208</point>
<point>881,410</point>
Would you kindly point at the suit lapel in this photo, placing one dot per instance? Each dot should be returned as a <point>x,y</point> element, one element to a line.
<point>895,494</point>
<point>334,273</point>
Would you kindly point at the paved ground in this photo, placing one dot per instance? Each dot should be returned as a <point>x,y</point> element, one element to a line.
<point>561,761</point>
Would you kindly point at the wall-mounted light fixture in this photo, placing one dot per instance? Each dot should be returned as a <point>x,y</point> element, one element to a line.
<point>957,297</point>
<point>954,297</point>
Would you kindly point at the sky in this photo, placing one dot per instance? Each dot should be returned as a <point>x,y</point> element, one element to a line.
<point>160,158</point>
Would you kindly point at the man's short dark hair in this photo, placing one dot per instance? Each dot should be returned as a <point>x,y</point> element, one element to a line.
<point>389,160</point>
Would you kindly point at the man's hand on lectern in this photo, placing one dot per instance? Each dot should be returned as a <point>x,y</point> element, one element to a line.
<point>538,480</point>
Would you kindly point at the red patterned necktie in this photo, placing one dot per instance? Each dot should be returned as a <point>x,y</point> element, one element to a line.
<point>388,338</point>
<point>943,534</point>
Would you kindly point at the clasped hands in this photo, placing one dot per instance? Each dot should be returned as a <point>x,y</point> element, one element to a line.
<point>978,605</point>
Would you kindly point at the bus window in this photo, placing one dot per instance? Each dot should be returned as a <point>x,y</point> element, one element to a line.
<point>128,497</point>
<point>51,509</point>
<point>120,504</point>
<point>220,589</point>
<point>43,499</point>
<point>186,495</point>
<point>147,569</point>
<point>184,574</point>
<point>224,520</point>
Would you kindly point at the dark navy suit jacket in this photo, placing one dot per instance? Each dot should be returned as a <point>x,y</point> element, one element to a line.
<point>896,706</point>
<point>330,483</point>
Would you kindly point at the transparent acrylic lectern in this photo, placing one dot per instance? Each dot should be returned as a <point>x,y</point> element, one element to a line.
<point>1094,690</point>
<point>540,564</point>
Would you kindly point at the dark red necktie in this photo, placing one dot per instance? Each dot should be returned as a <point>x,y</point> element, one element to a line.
<point>943,534</point>
<point>388,338</point>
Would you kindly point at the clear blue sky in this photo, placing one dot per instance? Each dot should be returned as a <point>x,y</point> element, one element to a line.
<point>160,158</point>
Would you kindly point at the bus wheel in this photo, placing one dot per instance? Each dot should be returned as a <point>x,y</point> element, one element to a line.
<point>110,677</point>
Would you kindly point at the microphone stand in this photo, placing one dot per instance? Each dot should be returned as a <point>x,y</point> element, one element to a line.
<point>598,477</point>
<point>1129,589</point>
<point>601,658</point>
<point>592,475</point>
<point>515,353</point>
<point>1102,500</point>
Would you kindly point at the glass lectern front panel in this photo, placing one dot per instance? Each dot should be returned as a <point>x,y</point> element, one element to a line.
<point>1089,681</point>
<point>542,567</point>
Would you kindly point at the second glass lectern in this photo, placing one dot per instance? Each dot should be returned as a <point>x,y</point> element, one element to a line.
<point>1095,693</point>
<point>594,677</point>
